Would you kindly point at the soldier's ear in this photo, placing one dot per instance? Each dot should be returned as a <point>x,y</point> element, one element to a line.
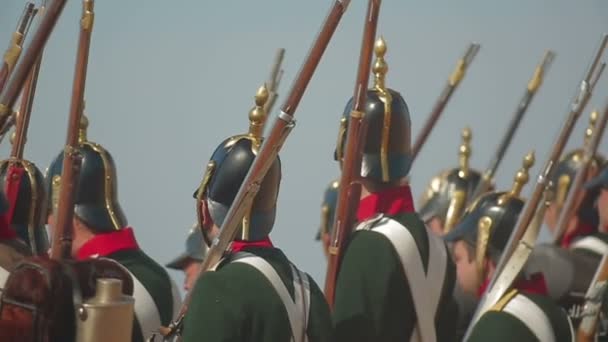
<point>207,221</point>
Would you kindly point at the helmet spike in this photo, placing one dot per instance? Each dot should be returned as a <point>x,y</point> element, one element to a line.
<point>464,152</point>
<point>84,124</point>
<point>589,131</point>
<point>257,115</point>
<point>522,176</point>
<point>380,68</point>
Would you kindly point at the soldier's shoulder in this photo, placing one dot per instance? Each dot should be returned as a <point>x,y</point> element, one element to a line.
<point>500,326</point>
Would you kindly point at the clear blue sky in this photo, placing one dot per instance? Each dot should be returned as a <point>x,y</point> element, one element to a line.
<point>168,80</point>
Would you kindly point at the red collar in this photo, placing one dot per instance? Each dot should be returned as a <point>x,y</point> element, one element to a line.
<point>582,229</point>
<point>391,202</point>
<point>535,284</point>
<point>108,243</point>
<point>6,231</point>
<point>239,245</point>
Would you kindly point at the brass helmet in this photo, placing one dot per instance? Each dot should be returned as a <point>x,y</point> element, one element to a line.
<point>565,172</point>
<point>96,198</point>
<point>447,193</point>
<point>328,209</point>
<point>489,221</point>
<point>28,216</point>
<point>387,147</point>
<point>228,168</point>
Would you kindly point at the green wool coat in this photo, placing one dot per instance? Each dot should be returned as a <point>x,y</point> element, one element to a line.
<point>373,298</point>
<point>237,303</point>
<point>154,278</point>
<point>496,325</point>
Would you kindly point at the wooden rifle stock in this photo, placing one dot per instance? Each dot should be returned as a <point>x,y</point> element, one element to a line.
<point>266,156</point>
<point>537,79</point>
<point>23,119</point>
<point>577,192</point>
<point>9,94</point>
<point>531,206</point>
<point>14,50</point>
<point>350,190</point>
<point>62,234</point>
<point>453,82</point>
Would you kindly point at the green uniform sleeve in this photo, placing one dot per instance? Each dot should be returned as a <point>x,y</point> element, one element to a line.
<point>213,312</point>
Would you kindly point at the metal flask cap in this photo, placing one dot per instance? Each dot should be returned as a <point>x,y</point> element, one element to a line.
<point>107,316</point>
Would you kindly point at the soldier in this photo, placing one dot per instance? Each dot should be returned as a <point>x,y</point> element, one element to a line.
<point>100,230</point>
<point>586,220</point>
<point>448,193</point>
<point>255,292</point>
<point>396,279</point>
<point>190,260</point>
<point>328,211</point>
<point>524,313</point>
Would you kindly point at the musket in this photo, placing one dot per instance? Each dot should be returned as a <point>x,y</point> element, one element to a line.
<point>453,82</point>
<point>274,79</point>
<point>72,159</point>
<point>14,50</point>
<point>32,53</point>
<point>577,192</point>
<point>496,289</point>
<point>17,166</point>
<point>267,154</point>
<point>349,192</point>
<point>537,79</point>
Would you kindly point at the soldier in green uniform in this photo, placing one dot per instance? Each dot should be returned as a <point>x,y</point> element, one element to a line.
<point>448,193</point>
<point>396,278</point>
<point>586,219</point>
<point>100,230</point>
<point>525,312</point>
<point>328,211</point>
<point>255,293</point>
<point>190,260</point>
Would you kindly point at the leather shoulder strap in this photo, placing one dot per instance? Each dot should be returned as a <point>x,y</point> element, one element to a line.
<point>298,309</point>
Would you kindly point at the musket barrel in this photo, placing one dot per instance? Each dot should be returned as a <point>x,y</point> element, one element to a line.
<point>72,159</point>
<point>531,89</point>
<point>314,57</point>
<point>453,82</point>
<point>350,190</point>
<point>14,50</point>
<point>9,94</point>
